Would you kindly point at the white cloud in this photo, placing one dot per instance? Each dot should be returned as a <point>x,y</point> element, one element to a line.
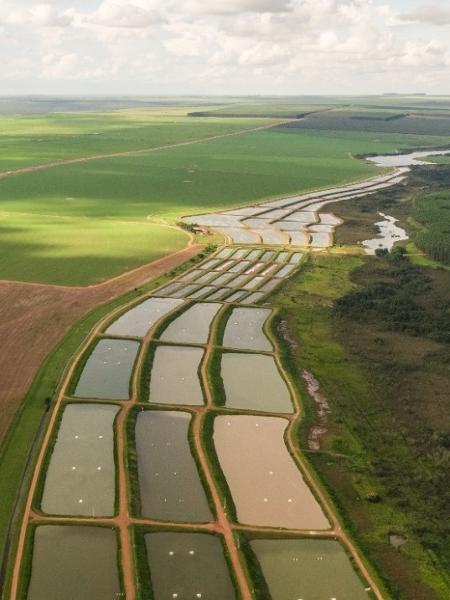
<point>113,13</point>
<point>235,7</point>
<point>234,46</point>
<point>41,15</point>
<point>430,13</point>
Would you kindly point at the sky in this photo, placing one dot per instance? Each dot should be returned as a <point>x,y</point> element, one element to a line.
<point>160,47</point>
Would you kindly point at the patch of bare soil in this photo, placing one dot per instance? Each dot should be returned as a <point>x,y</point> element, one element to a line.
<point>34,318</point>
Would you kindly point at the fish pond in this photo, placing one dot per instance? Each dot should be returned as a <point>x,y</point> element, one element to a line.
<point>137,321</point>
<point>308,569</point>
<point>107,371</point>
<point>266,485</point>
<point>80,478</point>
<point>253,382</point>
<point>188,566</point>
<point>244,329</point>
<point>175,375</point>
<point>192,327</point>
<point>169,483</point>
<point>74,562</point>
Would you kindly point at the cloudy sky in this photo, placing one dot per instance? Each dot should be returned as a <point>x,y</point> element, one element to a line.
<point>224,46</point>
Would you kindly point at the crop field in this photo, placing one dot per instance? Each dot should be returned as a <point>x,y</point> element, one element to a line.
<point>37,139</point>
<point>76,251</point>
<point>84,199</point>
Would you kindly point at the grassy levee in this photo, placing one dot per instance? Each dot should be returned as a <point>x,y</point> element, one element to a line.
<point>19,448</point>
<point>214,464</point>
<point>214,377</point>
<point>363,438</point>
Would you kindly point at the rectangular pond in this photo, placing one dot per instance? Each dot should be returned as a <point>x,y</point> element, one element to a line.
<point>253,382</point>
<point>169,483</point>
<point>74,562</point>
<point>174,377</point>
<point>107,372</point>
<point>309,569</point>
<point>244,329</point>
<point>219,294</point>
<point>80,478</point>
<point>267,487</point>
<point>188,565</point>
<point>191,275</point>
<point>253,298</point>
<point>192,326</point>
<point>137,321</point>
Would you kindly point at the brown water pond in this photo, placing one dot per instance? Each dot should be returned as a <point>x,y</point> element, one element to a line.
<point>266,484</point>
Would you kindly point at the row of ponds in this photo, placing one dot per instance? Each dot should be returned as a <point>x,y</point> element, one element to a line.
<point>264,485</point>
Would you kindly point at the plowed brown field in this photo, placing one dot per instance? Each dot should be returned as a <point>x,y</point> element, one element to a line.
<point>34,317</point>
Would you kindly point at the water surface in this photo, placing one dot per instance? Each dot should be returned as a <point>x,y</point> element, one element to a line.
<point>253,382</point>
<point>192,327</point>
<point>309,569</point>
<point>80,479</point>
<point>174,378</point>
<point>138,320</point>
<point>74,562</point>
<point>266,485</point>
<point>169,482</point>
<point>389,234</point>
<point>244,329</point>
<point>188,566</point>
<point>107,372</point>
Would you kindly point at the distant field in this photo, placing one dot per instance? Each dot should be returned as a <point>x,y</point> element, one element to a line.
<point>89,202</point>
<point>376,121</point>
<point>77,250</point>
<point>37,139</point>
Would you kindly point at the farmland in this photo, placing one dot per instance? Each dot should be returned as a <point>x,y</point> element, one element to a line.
<point>118,206</point>
<point>182,348</point>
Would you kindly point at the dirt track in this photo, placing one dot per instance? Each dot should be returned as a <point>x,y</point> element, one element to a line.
<point>34,318</point>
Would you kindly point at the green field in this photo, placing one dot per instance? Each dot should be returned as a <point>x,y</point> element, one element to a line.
<point>37,139</point>
<point>79,250</point>
<point>103,217</point>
